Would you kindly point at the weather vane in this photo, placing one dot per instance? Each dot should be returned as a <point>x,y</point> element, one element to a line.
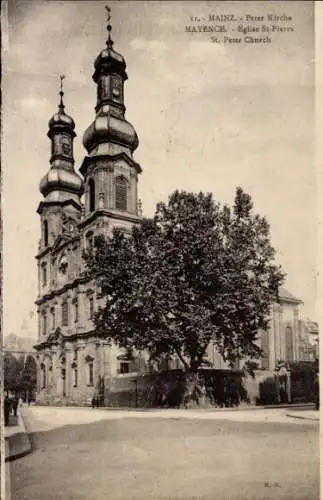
<point>62,77</point>
<point>109,27</point>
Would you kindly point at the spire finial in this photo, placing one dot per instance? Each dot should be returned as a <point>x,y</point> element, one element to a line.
<point>61,93</point>
<point>109,27</point>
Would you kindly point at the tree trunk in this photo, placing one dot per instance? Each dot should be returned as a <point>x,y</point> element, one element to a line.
<point>192,392</point>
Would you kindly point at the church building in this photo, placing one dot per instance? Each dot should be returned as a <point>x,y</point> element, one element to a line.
<point>73,362</point>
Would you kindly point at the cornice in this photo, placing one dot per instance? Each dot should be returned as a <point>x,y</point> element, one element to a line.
<point>112,158</point>
<point>60,291</point>
<point>111,214</point>
<point>64,339</point>
<point>45,203</point>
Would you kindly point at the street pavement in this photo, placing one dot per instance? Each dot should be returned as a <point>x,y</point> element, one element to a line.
<point>85,454</point>
<point>43,418</point>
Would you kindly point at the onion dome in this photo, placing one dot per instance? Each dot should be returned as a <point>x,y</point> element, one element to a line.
<point>109,61</point>
<point>60,121</point>
<point>109,128</point>
<point>61,179</point>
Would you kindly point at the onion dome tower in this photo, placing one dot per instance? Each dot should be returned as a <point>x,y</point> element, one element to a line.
<point>61,187</point>
<point>110,140</point>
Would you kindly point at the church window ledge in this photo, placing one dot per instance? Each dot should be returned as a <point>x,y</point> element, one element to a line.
<point>128,374</point>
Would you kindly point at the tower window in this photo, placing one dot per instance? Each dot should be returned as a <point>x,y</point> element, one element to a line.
<point>91,307</point>
<point>45,231</point>
<point>65,313</point>
<point>91,195</point>
<point>76,310</point>
<point>44,323</point>
<point>121,193</point>
<point>44,274</point>
<point>89,241</point>
<point>53,318</point>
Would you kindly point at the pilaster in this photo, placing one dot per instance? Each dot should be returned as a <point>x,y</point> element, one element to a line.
<point>281,335</point>
<point>296,338</point>
<point>272,341</point>
<point>68,369</point>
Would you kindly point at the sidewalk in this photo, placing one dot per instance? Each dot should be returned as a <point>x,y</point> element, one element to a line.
<point>17,442</point>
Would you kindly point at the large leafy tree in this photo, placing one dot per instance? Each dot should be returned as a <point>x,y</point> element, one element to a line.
<point>196,272</point>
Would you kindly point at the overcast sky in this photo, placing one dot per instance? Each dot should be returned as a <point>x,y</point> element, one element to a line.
<point>209,117</point>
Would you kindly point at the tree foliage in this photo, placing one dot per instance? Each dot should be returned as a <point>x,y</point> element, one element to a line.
<point>12,372</point>
<point>19,374</point>
<point>29,374</point>
<point>194,273</point>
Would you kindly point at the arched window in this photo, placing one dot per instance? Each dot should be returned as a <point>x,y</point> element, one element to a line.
<point>43,375</point>
<point>76,310</point>
<point>289,343</point>
<point>52,311</point>
<point>75,375</point>
<point>89,241</point>
<point>44,323</point>
<point>91,195</point>
<point>90,370</point>
<point>44,273</point>
<point>65,313</point>
<point>45,233</point>
<point>121,193</point>
<point>91,307</point>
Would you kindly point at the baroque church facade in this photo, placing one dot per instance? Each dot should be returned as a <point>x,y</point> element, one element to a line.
<point>74,364</point>
<point>72,361</point>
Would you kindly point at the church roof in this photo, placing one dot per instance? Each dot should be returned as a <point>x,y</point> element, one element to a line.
<point>286,296</point>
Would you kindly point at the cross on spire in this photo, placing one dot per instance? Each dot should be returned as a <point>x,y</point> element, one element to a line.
<point>109,27</point>
<point>61,93</point>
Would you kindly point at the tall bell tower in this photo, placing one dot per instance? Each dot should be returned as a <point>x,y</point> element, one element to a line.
<point>109,170</point>
<point>61,187</point>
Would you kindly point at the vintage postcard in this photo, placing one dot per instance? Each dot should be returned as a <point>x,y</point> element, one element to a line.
<point>160,250</point>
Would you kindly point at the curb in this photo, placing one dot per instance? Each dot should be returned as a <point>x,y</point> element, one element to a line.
<point>289,406</point>
<point>301,417</point>
<point>18,445</point>
<point>211,409</point>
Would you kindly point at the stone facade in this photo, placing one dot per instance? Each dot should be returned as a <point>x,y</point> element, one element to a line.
<point>73,363</point>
